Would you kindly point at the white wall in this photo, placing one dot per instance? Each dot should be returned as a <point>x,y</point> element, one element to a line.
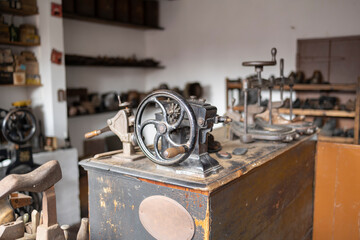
<point>44,99</point>
<point>93,39</point>
<point>207,40</point>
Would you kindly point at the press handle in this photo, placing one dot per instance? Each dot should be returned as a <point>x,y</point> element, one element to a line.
<point>281,67</point>
<point>96,132</point>
<point>174,151</point>
<point>273,54</point>
<point>92,134</point>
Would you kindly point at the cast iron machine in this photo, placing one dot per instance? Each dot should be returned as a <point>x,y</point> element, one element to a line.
<point>274,118</point>
<point>182,133</point>
<point>122,124</point>
<point>251,128</point>
<point>18,127</point>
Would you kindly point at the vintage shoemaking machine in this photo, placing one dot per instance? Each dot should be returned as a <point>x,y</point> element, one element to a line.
<point>193,182</point>
<point>259,123</point>
<point>122,125</point>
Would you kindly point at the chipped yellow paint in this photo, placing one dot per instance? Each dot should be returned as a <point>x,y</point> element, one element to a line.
<point>111,225</point>
<point>115,204</point>
<point>102,201</point>
<point>204,223</point>
<point>100,179</point>
<point>107,189</point>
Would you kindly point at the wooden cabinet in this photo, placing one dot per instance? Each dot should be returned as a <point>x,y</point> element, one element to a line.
<point>337,192</point>
<point>265,194</point>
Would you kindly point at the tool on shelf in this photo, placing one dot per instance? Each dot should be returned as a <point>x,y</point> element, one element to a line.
<point>182,133</point>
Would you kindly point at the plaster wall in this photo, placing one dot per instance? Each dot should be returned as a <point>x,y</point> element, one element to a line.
<point>93,39</point>
<point>207,40</point>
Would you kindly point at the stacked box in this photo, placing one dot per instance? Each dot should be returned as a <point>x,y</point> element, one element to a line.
<point>122,10</point>
<point>105,9</point>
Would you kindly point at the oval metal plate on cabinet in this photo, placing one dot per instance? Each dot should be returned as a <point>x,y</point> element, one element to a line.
<point>165,219</point>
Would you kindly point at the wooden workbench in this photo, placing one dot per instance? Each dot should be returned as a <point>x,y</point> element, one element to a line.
<point>265,194</point>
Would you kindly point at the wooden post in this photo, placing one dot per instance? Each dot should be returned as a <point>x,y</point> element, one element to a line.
<point>357,114</point>
<point>227,93</point>
<point>49,207</point>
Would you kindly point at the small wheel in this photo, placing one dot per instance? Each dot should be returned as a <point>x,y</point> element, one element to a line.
<point>19,126</point>
<point>263,63</point>
<point>165,126</point>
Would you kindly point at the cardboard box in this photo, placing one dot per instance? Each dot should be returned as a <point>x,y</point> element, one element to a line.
<point>68,6</point>
<point>85,7</point>
<point>32,68</point>
<point>19,78</point>
<point>33,79</point>
<point>20,63</point>
<point>137,12</point>
<point>122,10</point>
<point>151,13</point>
<point>105,9</point>
<point>6,78</point>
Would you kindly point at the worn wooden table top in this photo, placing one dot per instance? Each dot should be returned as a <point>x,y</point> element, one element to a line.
<point>143,169</point>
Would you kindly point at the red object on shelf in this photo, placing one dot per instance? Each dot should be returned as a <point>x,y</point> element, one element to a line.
<point>56,10</point>
<point>56,56</point>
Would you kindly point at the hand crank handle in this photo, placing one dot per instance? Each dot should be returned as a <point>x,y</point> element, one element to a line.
<point>38,180</point>
<point>174,151</point>
<point>281,67</point>
<point>96,132</point>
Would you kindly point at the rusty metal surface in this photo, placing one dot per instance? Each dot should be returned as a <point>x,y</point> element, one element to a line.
<point>114,201</point>
<point>258,153</point>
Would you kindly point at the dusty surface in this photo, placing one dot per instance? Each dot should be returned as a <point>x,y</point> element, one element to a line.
<point>258,153</point>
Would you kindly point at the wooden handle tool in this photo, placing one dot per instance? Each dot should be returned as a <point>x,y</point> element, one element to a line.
<point>96,132</point>
<point>174,151</point>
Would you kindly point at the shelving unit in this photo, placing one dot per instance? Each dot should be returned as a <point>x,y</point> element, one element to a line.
<point>98,113</point>
<point>120,66</point>
<point>351,88</point>
<point>18,12</point>
<point>236,84</point>
<point>21,44</point>
<point>24,85</point>
<point>109,22</point>
<point>319,112</point>
<point>86,61</point>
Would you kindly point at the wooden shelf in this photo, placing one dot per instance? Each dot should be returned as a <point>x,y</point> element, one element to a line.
<point>98,113</point>
<point>119,66</point>
<point>21,44</point>
<point>18,12</point>
<point>109,22</point>
<point>324,87</point>
<point>335,139</point>
<point>24,85</point>
<point>317,112</point>
<point>308,87</point>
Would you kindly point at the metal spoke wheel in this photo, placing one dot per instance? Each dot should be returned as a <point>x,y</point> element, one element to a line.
<point>19,126</point>
<point>166,125</point>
